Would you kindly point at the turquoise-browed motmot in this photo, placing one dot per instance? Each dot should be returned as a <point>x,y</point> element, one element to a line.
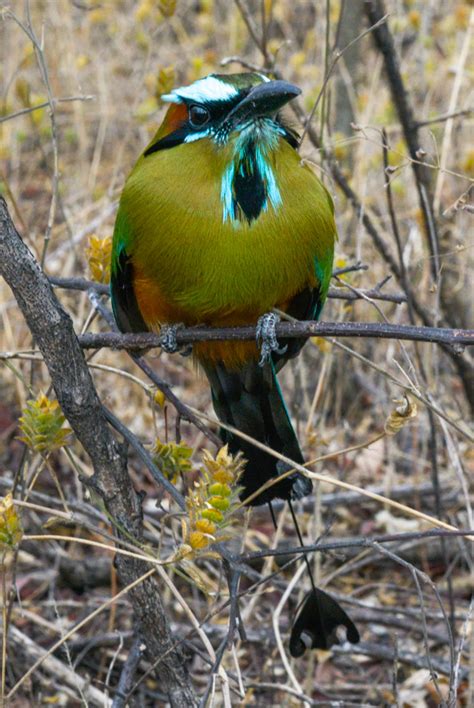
<point>220,222</point>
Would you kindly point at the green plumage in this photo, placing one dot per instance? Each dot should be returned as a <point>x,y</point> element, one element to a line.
<point>184,253</point>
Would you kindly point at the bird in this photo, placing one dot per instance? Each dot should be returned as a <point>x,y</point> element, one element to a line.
<point>221,223</point>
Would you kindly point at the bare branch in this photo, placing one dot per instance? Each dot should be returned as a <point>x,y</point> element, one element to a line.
<point>458,338</point>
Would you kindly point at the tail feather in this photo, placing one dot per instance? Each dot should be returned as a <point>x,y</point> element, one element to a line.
<point>251,401</point>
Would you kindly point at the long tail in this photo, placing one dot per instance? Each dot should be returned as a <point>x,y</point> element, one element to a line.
<point>250,400</point>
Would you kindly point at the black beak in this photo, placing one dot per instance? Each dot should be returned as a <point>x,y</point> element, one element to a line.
<point>263,100</point>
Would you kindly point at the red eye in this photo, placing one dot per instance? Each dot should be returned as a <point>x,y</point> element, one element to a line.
<point>198,116</point>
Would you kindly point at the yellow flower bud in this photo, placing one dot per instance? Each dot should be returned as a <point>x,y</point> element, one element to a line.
<point>159,398</point>
<point>10,524</point>
<point>213,515</point>
<point>198,540</point>
<point>98,254</point>
<point>220,503</point>
<point>220,490</point>
<point>206,526</point>
<point>223,476</point>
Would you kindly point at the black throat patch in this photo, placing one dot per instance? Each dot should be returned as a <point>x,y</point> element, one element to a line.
<point>248,187</point>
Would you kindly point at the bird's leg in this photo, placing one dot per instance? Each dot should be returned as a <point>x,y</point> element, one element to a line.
<point>168,340</point>
<point>266,337</point>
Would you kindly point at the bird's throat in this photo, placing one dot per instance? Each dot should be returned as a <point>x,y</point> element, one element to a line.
<point>249,184</point>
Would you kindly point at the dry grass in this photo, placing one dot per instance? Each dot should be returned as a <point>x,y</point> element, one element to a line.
<point>62,172</point>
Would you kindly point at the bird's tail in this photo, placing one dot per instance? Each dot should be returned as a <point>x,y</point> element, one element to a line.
<point>250,400</point>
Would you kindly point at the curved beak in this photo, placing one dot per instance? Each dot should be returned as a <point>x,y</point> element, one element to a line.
<point>263,100</point>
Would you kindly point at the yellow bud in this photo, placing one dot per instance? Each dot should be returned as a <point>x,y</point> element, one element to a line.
<point>322,344</point>
<point>165,81</point>
<point>159,398</point>
<point>198,540</point>
<point>220,503</point>
<point>143,11</point>
<point>42,425</point>
<point>10,525</point>
<point>98,254</point>
<point>206,526</point>
<point>213,515</point>
<point>468,164</point>
<point>22,91</point>
<point>97,16</point>
<point>462,14</point>
<point>220,490</point>
<point>223,476</point>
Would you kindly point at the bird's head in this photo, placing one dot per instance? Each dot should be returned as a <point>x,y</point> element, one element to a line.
<point>240,112</point>
<point>222,105</point>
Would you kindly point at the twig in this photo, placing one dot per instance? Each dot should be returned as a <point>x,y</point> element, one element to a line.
<point>76,627</point>
<point>45,104</point>
<point>379,651</point>
<point>361,542</point>
<point>43,69</point>
<point>253,32</point>
<point>445,151</point>
<point>444,117</point>
<point>145,457</point>
<point>337,55</point>
<point>394,222</point>
<point>384,41</point>
<point>128,672</point>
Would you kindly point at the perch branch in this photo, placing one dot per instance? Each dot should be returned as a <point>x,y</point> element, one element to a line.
<point>458,338</point>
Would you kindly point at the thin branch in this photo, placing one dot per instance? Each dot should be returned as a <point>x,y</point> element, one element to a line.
<point>127,674</point>
<point>458,338</point>
<point>45,104</point>
<point>383,39</point>
<point>359,542</point>
<point>337,55</point>
<point>444,117</point>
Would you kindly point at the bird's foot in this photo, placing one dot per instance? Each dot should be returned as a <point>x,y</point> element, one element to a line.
<point>168,341</point>
<point>266,337</point>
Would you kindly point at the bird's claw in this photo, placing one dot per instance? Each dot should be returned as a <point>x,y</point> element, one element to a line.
<point>266,337</point>
<point>168,341</point>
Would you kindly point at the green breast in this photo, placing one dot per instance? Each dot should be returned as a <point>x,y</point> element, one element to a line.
<point>170,222</point>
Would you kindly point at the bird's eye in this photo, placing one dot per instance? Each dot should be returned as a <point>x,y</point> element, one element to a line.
<point>198,116</point>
